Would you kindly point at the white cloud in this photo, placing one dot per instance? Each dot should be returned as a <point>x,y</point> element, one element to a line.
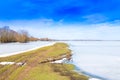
<point>95,18</point>
<point>48,28</point>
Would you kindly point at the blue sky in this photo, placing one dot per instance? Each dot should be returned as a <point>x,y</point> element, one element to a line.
<point>66,10</point>
<point>76,16</point>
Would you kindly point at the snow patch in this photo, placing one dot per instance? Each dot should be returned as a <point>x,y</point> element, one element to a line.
<point>7,63</point>
<point>60,61</point>
<point>94,79</point>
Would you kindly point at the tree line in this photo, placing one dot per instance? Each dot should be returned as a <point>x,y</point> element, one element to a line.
<point>9,35</point>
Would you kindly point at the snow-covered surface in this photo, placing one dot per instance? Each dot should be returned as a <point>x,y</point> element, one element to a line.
<point>16,50</point>
<point>97,58</point>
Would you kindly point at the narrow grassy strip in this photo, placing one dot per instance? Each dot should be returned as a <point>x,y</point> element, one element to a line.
<point>35,70</point>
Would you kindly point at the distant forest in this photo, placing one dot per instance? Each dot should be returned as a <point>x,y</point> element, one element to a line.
<point>9,35</point>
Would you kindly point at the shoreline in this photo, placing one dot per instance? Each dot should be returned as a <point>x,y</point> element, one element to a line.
<point>91,76</point>
<point>78,70</point>
<point>19,52</point>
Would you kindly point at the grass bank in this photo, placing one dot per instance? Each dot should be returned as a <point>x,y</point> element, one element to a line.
<point>38,66</point>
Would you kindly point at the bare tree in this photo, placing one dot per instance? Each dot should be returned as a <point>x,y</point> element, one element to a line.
<point>8,35</point>
<point>22,36</point>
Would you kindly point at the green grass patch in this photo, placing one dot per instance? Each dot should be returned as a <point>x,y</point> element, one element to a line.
<point>16,72</point>
<point>68,70</point>
<point>44,72</point>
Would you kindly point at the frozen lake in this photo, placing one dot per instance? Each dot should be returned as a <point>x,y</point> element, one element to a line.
<point>101,58</point>
<point>13,48</point>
